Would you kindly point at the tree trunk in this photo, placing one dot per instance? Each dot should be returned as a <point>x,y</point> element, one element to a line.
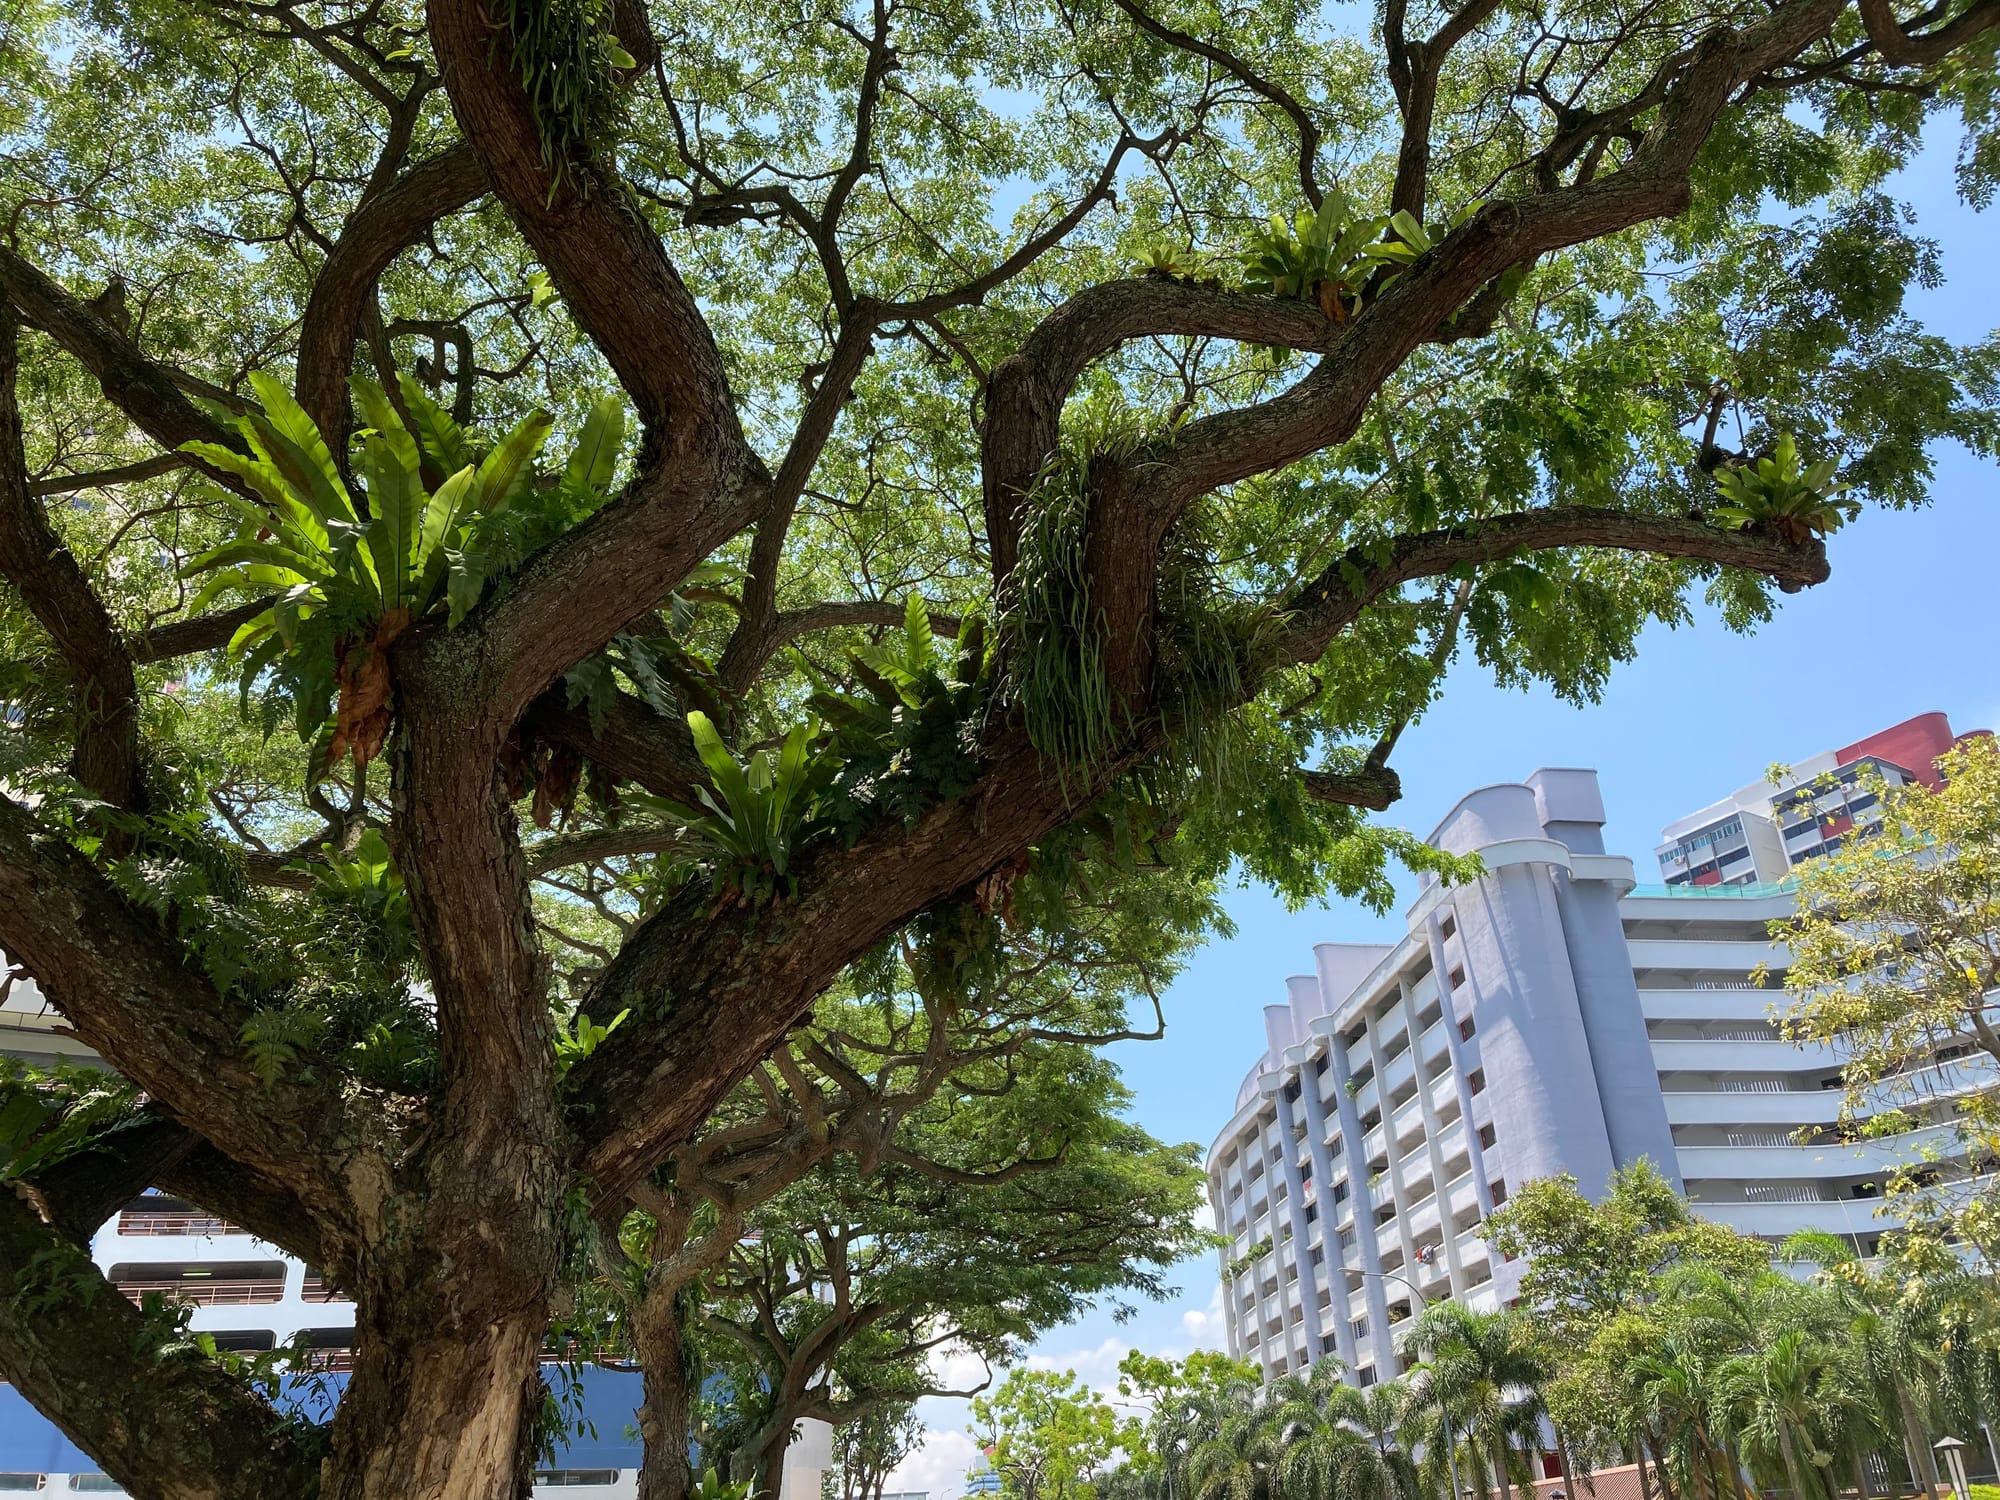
<point>1923,1464</point>
<point>1793,1468</point>
<point>664,1416</point>
<point>1660,1469</point>
<point>769,1474</point>
<point>441,1416</point>
<point>1862,1489</point>
<point>1503,1481</point>
<point>1639,1462</point>
<point>1735,1456</point>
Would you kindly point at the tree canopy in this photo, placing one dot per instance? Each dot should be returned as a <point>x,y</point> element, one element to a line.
<point>541,540</point>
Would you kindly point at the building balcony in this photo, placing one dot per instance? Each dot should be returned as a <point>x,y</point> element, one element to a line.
<point>1735,1107</point>
<point>1841,1216</point>
<point>1707,953</point>
<point>1751,1003</point>
<point>1422,1217</point>
<point>1862,1158</point>
<point>1432,1044</point>
<point>1398,1071</point>
<point>1731,1056</point>
<point>1409,1120</point>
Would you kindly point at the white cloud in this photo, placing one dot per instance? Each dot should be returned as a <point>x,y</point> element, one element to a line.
<point>1207,1327</point>
<point>938,1467</point>
<point>1095,1367</point>
<point>954,1367</point>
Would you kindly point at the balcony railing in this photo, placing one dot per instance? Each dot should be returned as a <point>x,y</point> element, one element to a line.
<point>141,1224</point>
<point>203,1292</point>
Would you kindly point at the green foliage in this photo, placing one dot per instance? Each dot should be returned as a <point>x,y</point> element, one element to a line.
<point>568,61</point>
<point>1050,630</point>
<point>711,1486</point>
<point>1240,1264</point>
<point>909,738</point>
<point>1329,256</point>
<point>48,1115</point>
<point>1856,980</point>
<point>754,814</point>
<point>1048,1434</point>
<point>581,1036</point>
<point>1777,494</point>
<point>351,571</point>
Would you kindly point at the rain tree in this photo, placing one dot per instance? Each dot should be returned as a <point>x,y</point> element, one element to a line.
<point>538,537</point>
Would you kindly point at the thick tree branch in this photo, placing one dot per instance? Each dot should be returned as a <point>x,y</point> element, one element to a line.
<point>385,224</point>
<point>1373,787</point>
<point>696,484</point>
<point>115,979</point>
<point>158,1421</point>
<point>1920,51</point>
<point>105,757</point>
<point>634,743</point>
<point>1026,391</point>
<point>202,633</point>
<point>147,392</point>
<point>145,468</point>
<point>1333,600</point>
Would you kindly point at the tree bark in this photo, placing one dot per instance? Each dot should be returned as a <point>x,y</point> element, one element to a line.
<point>1923,1465</point>
<point>437,1415</point>
<point>664,1418</point>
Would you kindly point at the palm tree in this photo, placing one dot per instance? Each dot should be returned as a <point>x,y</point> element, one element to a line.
<point>1379,1413</point>
<point>1483,1372</point>
<point>1672,1394</point>
<point>1895,1334</point>
<point>1792,1402</point>
<point>1234,1461</point>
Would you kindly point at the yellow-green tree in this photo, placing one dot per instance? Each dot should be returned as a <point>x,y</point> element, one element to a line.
<point>1896,960</point>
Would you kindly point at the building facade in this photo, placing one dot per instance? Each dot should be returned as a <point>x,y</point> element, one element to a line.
<point>1758,834</point>
<point>1551,1016</point>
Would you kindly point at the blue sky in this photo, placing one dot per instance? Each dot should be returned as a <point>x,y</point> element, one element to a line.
<point>1905,625</point>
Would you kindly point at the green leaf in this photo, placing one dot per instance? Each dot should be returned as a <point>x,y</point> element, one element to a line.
<point>288,440</point>
<point>501,469</point>
<point>595,458</point>
<point>441,437</point>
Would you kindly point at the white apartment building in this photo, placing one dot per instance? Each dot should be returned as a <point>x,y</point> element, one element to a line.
<point>1552,1016</point>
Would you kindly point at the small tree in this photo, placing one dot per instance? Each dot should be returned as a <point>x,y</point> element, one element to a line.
<point>1895,960</point>
<point>1048,1435</point>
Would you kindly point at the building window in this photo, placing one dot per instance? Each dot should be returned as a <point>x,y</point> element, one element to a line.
<point>18,1482</point>
<point>1292,1092</point>
<point>577,1477</point>
<point>1486,1136</point>
<point>1499,1192</point>
<point>1366,1375</point>
<point>1466,1029</point>
<point>1457,977</point>
<point>1340,1191</point>
<point>1319,1255</point>
<point>1447,925</point>
<point>1319,1065</point>
<point>1359,1328</point>
<point>1477,1080</point>
<point>1312,1213</point>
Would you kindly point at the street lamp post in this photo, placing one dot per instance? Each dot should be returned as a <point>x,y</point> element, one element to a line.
<point>1953,1452</point>
<point>1450,1442</point>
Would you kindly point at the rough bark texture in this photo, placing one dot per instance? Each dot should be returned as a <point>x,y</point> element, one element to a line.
<point>667,1413</point>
